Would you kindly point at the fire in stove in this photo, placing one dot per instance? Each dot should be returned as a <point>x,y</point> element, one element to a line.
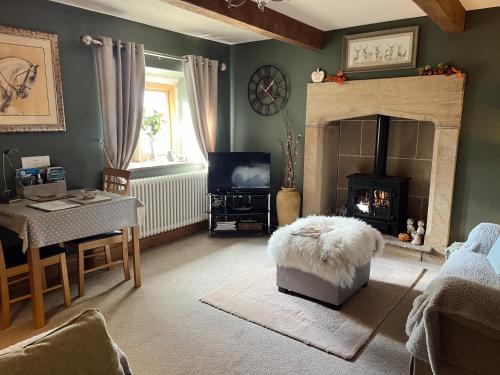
<point>380,199</point>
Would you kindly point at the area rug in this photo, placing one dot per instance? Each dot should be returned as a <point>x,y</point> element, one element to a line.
<point>255,297</point>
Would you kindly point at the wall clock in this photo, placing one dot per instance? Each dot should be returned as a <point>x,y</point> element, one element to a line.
<point>268,90</point>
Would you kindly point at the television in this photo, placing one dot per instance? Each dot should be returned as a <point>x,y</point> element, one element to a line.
<point>239,172</point>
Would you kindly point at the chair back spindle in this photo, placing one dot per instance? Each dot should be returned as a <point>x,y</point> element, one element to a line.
<point>116,181</point>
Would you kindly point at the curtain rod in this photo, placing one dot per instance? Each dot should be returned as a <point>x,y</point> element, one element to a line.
<point>88,40</point>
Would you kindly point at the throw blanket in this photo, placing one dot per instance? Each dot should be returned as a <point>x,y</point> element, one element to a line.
<point>455,297</point>
<point>333,255</point>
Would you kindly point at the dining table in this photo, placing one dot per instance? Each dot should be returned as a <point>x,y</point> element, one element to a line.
<point>37,228</point>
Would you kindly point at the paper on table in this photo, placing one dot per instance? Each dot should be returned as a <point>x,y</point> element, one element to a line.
<point>54,205</point>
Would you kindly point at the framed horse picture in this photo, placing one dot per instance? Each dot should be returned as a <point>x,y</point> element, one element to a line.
<point>30,82</point>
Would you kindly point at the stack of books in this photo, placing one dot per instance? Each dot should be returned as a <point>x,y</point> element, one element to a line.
<point>225,225</point>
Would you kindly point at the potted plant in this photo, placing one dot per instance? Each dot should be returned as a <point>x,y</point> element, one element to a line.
<point>288,198</point>
<point>152,126</point>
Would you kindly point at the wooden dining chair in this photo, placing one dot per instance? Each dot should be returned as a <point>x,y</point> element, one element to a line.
<point>13,263</point>
<point>114,181</point>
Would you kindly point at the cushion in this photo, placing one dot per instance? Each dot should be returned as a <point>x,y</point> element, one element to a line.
<point>97,237</point>
<point>494,256</point>
<point>80,346</point>
<point>14,256</point>
<point>482,238</point>
<point>471,266</point>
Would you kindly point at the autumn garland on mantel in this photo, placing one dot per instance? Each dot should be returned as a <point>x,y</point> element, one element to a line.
<point>440,70</point>
<point>340,78</point>
<point>427,70</point>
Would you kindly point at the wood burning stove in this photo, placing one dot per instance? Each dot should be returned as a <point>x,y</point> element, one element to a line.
<point>378,199</point>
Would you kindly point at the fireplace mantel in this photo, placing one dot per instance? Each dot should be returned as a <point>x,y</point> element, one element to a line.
<point>438,99</point>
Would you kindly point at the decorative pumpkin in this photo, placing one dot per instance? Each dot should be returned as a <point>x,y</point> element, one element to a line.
<point>318,76</point>
<point>404,237</point>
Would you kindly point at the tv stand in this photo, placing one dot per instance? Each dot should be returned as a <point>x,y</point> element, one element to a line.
<point>239,212</point>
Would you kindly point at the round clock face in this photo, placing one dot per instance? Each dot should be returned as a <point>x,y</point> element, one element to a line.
<point>268,90</point>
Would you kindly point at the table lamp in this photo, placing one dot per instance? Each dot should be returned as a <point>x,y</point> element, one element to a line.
<point>6,193</point>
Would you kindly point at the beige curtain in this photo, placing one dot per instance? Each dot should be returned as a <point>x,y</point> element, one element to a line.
<point>121,73</point>
<point>201,85</point>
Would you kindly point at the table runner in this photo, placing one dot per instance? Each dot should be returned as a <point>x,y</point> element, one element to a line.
<point>38,228</point>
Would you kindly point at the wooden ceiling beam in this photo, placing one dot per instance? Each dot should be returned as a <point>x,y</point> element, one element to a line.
<point>449,15</point>
<point>269,23</point>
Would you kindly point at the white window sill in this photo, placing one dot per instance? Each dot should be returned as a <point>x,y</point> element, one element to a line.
<point>152,165</point>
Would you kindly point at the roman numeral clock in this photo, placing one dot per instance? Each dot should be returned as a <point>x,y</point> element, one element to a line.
<point>268,90</point>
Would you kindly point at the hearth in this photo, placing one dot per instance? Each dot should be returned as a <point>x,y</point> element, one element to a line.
<point>378,199</point>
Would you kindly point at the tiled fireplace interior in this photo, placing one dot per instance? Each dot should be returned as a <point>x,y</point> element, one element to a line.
<point>409,154</point>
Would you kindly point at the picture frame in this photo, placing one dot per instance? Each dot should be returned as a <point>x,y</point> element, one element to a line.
<point>31,97</point>
<point>380,50</point>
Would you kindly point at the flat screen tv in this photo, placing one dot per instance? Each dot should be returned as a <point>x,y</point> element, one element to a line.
<point>239,172</point>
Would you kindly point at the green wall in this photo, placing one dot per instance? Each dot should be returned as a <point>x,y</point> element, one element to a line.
<point>80,152</point>
<point>79,149</point>
<point>476,52</point>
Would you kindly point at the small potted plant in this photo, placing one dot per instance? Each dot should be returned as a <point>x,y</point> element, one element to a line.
<point>152,125</point>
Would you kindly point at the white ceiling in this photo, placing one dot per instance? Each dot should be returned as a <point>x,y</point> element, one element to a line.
<point>339,14</point>
<point>323,14</point>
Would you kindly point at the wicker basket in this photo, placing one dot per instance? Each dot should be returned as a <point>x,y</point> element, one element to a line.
<point>42,190</point>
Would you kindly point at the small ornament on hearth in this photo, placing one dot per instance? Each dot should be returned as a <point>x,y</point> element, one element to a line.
<point>404,237</point>
<point>421,226</point>
<point>419,234</point>
<point>410,227</point>
<point>318,76</point>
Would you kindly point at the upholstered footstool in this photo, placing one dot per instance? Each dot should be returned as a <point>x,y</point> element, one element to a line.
<point>324,258</point>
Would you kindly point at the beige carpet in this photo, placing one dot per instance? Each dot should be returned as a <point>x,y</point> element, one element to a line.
<point>343,332</point>
<point>164,329</point>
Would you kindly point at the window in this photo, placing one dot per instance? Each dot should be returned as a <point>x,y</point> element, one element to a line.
<point>166,135</point>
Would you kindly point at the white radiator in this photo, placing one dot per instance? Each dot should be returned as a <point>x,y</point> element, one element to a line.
<point>171,201</point>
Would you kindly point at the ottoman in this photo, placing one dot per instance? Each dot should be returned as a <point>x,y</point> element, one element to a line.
<point>307,284</point>
<point>324,258</point>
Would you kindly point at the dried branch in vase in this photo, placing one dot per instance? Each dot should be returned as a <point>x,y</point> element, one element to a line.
<point>289,141</point>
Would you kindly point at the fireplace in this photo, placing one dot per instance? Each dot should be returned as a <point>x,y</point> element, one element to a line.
<point>378,199</point>
<point>412,98</point>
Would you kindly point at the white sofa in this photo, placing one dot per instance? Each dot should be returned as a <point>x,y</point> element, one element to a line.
<point>454,326</point>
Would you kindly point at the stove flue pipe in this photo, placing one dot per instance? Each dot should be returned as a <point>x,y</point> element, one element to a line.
<point>380,164</point>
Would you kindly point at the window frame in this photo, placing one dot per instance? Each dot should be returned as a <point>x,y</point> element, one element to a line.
<point>165,80</point>
<point>170,91</point>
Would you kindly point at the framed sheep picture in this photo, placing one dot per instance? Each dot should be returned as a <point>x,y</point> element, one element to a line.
<point>380,50</point>
<point>30,82</point>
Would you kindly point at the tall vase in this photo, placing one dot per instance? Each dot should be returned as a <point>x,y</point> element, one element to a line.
<point>287,205</point>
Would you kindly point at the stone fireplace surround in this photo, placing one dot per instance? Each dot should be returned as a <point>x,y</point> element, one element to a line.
<point>438,99</point>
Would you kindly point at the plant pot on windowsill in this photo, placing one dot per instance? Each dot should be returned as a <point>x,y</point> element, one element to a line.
<point>287,205</point>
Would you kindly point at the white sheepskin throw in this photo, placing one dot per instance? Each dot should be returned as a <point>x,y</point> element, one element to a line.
<point>334,255</point>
